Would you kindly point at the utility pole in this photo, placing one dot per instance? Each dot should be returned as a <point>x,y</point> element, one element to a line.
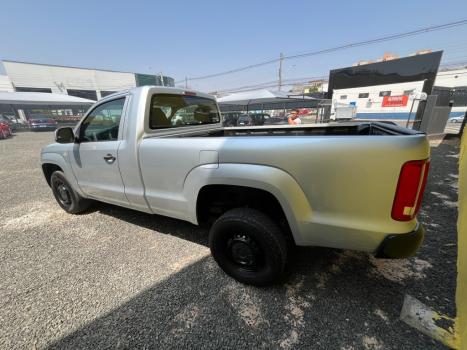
<point>281,59</point>
<point>162,78</point>
<point>186,82</point>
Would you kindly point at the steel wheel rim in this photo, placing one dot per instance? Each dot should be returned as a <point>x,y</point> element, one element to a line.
<point>63,193</point>
<point>244,251</point>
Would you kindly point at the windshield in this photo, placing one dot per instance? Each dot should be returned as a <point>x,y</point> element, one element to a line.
<point>171,111</point>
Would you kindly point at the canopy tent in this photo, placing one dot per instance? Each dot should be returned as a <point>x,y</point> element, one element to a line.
<point>251,97</point>
<point>265,99</point>
<point>63,108</point>
<point>41,98</point>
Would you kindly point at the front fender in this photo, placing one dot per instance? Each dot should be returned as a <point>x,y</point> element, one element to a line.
<point>273,180</point>
<point>59,159</point>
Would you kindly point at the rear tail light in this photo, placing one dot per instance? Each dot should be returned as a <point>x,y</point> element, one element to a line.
<point>410,188</point>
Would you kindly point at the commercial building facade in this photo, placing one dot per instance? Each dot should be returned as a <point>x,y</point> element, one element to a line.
<point>86,83</point>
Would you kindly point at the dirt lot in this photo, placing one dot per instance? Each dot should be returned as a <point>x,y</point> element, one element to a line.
<point>115,278</point>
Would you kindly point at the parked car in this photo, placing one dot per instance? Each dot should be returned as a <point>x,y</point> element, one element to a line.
<point>40,123</point>
<point>351,186</point>
<point>12,122</point>
<point>5,130</point>
<point>230,118</point>
<point>244,120</point>
<point>252,119</point>
<point>459,119</point>
<point>275,121</point>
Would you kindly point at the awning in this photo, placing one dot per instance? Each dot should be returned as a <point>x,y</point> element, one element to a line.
<point>265,99</point>
<point>40,98</point>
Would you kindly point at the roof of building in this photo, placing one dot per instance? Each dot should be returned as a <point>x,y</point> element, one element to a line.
<point>40,98</point>
<point>85,68</point>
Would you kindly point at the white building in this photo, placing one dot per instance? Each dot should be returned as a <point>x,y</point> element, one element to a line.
<point>5,84</point>
<point>452,77</point>
<point>395,101</point>
<point>87,83</point>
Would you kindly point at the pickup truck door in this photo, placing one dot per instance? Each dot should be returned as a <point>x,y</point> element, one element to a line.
<point>94,159</point>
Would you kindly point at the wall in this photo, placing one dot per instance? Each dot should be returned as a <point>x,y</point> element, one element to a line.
<point>59,79</point>
<point>5,84</point>
<point>373,103</point>
<point>452,78</point>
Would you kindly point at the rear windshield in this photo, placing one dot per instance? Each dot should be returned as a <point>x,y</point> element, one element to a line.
<point>171,111</point>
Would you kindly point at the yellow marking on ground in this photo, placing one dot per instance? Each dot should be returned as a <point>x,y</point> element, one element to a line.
<point>426,320</point>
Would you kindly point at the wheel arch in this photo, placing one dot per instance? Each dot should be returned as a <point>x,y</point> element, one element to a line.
<point>269,181</point>
<point>48,169</point>
<point>52,162</point>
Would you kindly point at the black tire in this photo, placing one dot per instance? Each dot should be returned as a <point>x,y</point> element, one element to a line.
<point>248,246</point>
<point>66,196</point>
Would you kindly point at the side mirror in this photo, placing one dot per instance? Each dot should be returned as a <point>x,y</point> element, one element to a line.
<point>64,135</point>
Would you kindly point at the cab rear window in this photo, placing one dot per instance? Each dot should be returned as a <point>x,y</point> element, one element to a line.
<point>172,111</point>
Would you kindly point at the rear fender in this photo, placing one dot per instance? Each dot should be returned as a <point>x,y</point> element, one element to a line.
<point>273,180</point>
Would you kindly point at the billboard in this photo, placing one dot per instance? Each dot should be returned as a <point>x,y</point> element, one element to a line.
<point>395,101</point>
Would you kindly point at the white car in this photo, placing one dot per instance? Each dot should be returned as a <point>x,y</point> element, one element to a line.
<point>456,119</point>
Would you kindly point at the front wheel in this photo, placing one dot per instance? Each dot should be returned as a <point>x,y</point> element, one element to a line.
<point>248,246</point>
<point>66,196</point>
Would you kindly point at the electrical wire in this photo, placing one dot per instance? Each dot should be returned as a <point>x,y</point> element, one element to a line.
<point>337,48</point>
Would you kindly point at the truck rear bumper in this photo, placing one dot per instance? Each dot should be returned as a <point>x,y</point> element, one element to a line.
<point>399,246</point>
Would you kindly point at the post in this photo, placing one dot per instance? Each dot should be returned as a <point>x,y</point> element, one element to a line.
<point>162,78</point>
<point>281,59</point>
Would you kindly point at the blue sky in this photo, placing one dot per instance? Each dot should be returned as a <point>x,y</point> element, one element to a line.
<point>193,38</point>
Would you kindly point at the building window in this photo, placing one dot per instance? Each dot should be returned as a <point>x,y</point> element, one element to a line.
<point>363,95</point>
<point>408,92</point>
<point>107,93</point>
<point>31,89</point>
<point>384,93</point>
<point>89,94</point>
<point>343,97</point>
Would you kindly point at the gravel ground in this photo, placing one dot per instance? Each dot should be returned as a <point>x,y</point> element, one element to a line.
<point>116,278</point>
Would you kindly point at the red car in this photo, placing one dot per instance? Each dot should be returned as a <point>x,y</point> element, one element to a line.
<point>5,130</point>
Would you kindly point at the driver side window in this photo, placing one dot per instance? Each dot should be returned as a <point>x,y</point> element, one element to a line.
<point>103,122</point>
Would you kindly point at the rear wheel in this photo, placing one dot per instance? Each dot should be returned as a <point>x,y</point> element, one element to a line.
<point>66,196</point>
<point>248,246</point>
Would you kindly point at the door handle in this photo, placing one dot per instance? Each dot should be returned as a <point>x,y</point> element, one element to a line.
<point>109,158</point>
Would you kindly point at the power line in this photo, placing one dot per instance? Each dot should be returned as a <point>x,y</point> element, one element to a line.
<point>305,80</point>
<point>337,48</point>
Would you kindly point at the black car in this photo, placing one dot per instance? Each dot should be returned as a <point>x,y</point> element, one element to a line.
<point>244,120</point>
<point>275,120</point>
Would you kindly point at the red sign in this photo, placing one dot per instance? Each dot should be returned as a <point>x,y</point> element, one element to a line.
<point>395,101</point>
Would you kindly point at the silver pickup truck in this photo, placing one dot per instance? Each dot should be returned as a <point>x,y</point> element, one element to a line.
<point>260,190</point>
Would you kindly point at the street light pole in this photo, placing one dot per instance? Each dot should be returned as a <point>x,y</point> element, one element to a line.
<point>281,59</point>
